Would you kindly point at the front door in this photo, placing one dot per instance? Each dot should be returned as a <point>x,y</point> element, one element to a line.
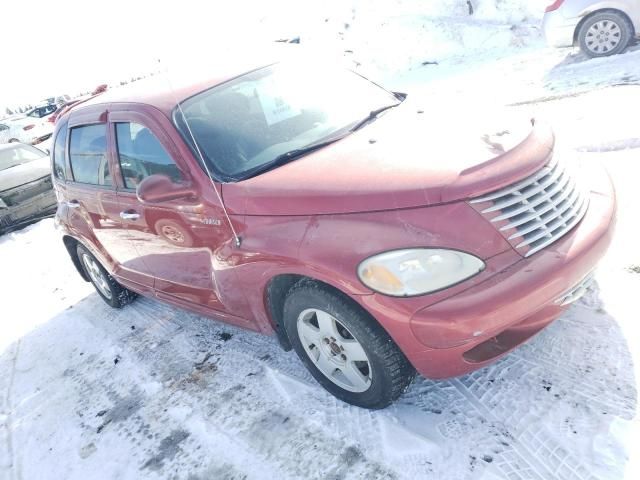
<point>173,243</point>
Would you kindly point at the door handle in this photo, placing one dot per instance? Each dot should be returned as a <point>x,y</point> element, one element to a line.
<point>129,215</point>
<point>73,204</point>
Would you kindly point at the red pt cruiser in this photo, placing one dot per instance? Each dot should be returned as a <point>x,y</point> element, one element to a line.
<point>374,238</point>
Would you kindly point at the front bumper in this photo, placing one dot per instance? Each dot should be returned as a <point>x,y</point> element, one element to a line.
<point>35,208</point>
<point>478,325</point>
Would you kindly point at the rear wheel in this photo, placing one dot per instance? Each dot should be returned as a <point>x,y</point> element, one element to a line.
<point>345,350</point>
<point>605,33</point>
<point>114,294</point>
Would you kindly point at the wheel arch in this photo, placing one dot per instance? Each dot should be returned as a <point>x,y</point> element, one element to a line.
<point>71,245</point>
<point>276,292</point>
<point>576,41</point>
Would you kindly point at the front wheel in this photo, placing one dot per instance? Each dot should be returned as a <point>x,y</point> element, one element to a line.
<point>114,294</point>
<point>345,350</point>
<point>604,34</point>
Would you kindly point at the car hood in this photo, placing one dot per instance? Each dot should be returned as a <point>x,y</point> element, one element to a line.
<point>404,159</point>
<point>27,172</point>
<point>21,121</point>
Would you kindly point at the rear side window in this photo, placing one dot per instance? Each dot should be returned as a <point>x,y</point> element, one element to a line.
<point>60,154</point>
<point>88,155</point>
<point>141,154</point>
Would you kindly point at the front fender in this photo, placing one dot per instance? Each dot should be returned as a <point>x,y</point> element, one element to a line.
<point>329,248</point>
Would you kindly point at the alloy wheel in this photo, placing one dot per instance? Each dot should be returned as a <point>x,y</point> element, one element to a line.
<point>334,350</point>
<point>97,276</point>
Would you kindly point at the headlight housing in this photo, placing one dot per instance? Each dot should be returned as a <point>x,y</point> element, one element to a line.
<point>417,271</point>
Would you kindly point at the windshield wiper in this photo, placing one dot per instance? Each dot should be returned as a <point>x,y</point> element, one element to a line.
<point>293,154</point>
<point>373,114</point>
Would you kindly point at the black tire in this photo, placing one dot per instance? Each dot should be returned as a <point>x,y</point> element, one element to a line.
<point>117,296</point>
<point>590,44</point>
<point>390,373</point>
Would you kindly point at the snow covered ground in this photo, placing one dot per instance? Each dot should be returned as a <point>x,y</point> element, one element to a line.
<point>154,392</point>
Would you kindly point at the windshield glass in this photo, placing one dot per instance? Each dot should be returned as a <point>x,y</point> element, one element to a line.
<point>43,111</point>
<point>10,157</point>
<point>243,125</point>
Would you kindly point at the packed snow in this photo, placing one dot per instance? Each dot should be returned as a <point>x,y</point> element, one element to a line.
<point>152,391</point>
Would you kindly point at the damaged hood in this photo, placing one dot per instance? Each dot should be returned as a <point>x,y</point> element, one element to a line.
<point>27,172</point>
<point>403,159</point>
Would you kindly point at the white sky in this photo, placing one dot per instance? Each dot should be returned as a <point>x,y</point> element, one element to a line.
<point>65,46</point>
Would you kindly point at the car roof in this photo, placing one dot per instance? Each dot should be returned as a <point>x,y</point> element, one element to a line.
<point>165,90</point>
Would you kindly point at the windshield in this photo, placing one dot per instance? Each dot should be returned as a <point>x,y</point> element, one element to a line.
<point>242,126</point>
<point>43,111</point>
<point>10,157</point>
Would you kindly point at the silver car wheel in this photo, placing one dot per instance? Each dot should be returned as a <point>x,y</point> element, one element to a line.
<point>97,277</point>
<point>334,350</point>
<point>603,36</point>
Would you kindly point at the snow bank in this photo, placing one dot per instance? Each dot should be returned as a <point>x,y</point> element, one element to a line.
<point>384,37</point>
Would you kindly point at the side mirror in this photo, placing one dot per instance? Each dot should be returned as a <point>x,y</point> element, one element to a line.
<point>160,188</point>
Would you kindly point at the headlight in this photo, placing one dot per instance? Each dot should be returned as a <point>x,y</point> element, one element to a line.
<point>2,204</point>
<point>403,273</point>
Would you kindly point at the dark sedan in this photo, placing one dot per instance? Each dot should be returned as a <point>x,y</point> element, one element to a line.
<point>26,193</point>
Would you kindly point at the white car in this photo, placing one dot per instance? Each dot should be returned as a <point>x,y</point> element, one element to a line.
<point>600,27</point>
<point>32,128</point>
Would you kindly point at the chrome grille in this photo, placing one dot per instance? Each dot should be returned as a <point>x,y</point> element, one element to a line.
<point>537,211</point>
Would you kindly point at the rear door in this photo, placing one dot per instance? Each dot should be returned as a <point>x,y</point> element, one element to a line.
<point>93,210</point>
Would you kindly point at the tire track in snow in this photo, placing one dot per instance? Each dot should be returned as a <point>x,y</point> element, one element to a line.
<point>511,464</point>
<point>618,405</point>
<point>7,424</point>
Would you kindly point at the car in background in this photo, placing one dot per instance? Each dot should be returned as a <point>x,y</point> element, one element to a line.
<point>32,128</point>
<point>25,130</point>
<point>66,106</point>
<point>26,192</point>
<point>62,109</point>
<point>599,27</point>
<point>5,131</point>
<point>42,110</point>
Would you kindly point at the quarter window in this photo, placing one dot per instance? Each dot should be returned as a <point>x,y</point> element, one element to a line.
<point>88,155</point>
<point>59,153</point>
<point>141,154</point>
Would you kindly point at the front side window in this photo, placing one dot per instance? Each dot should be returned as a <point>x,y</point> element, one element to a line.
<point>243,126</point>
<point>59,153</point>
<point>141,154</point>
<point>88,155</point>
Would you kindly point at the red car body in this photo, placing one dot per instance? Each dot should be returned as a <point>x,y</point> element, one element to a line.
<point>408,180</point>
